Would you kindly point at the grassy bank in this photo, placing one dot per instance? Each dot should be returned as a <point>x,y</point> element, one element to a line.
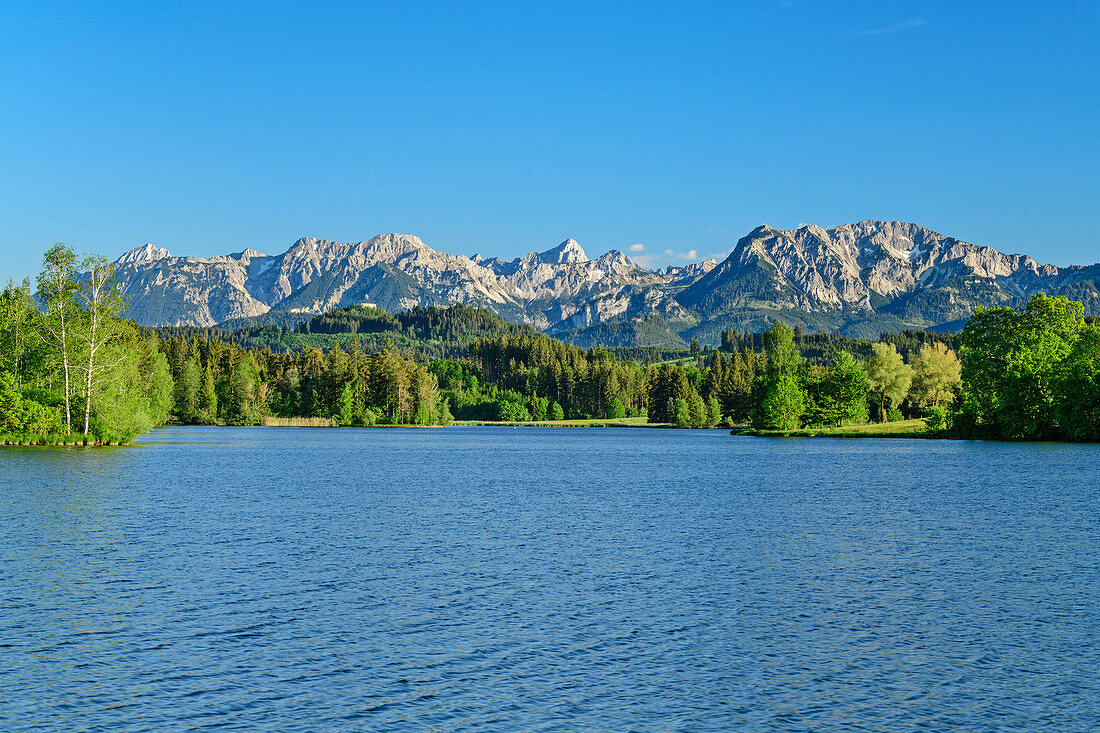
<point>900,429</point>
<point>326,422</point>
<point>298,422</point>
<point>617,422</point>
<point>34,439</point>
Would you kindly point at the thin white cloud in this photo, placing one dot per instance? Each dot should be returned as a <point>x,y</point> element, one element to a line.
<point>650,262</point>
<point>904,25</point>
<point>637,247</point>
<point>656,261</point>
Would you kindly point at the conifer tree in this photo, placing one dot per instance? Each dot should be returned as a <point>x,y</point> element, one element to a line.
<point>208,399</point>
<point>716,375</point>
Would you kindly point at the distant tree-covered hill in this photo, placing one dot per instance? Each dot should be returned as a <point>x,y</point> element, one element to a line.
<point>446,333</point>
<point>654,330</point>
<point>431,333</point>
<point>271,318</point>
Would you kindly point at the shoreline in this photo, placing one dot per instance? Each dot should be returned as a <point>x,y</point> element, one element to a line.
<point>912,429</point>
<point>47,443</point>
<point>915,428</point>
<point>595,423</point>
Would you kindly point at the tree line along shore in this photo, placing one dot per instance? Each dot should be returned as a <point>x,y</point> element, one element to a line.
<point>73,370</point>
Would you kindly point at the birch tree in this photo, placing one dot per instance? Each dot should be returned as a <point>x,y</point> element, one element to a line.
<point>16,311</point>
<point>57,289</point>
<point>103,302</point>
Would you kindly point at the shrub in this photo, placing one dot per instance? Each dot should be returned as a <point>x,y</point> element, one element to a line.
<point>936,418</point>
<point>556,413</point>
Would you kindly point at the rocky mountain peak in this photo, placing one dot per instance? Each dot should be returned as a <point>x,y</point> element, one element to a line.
<point>567,251</point>
<point>761,231</point>
<point>247,255</point>
<point>397,241</point>
<point>145,253</point>
<point>615,258</point>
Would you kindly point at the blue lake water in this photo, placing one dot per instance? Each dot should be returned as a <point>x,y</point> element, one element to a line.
<point>534,579</point>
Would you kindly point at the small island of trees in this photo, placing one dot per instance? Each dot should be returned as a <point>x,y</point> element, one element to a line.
<point>71,370</point>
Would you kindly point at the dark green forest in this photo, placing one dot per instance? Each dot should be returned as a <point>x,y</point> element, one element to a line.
<point>779,379</point>
<point>430,333</point>
<point>218,382</point>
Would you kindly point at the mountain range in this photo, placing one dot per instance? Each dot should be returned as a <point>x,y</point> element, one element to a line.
<point>859,278</point>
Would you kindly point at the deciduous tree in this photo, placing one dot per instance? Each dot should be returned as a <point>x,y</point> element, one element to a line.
<point>936,375</point>
<point>102,303</point>
<point>888,376</point>
<point>57,291</point>
<point>1077,388</point>
<point>1009,359</point>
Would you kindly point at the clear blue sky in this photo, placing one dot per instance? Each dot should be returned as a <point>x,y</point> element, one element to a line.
<point>500,128</point>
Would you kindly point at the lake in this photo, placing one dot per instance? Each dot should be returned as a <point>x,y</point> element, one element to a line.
<point>539,579</point>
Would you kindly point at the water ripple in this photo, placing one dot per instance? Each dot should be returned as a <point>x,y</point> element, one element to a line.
<point>545,580</point>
